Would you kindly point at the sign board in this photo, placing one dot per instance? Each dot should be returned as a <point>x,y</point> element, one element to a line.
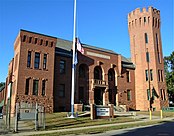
<point>103,111</point>
<point>98,55</point>
<point>27,116</point>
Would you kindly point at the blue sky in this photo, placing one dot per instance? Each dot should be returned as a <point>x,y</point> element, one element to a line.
<point>101,23</point>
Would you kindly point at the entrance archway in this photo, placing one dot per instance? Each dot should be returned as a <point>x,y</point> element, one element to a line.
<point>98,96</point>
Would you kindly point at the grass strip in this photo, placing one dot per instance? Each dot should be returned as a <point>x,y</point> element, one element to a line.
<point>100,129</point>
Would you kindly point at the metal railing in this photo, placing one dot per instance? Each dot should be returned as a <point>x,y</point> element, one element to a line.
<point>98,82</point>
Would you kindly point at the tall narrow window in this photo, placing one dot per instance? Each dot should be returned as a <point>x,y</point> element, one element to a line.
<point>128,95</point>
<point>148,19</point>
<point>164,94</point>
<point>29,59</point>
<point>41,42</point>
<point>146,37</point>
<point>46,43</point>
<point>157,42</point>
<point>37,60</point>
<point>153,21</point>
<point>45,61</point>
<point>161,75</point>
<point>161,91</point>
<point>148,94</point>
<point>151,74</point>
<point>61,90</point>
<point>30,39</point>
<point>135,22</point>
<point>52,44</point>
<point>62,66</point>
<point>147,57</point>
<point>35,87</point>
<point>129,24</point>
<point>35,41</point>
<point>43,87</point>
<point>27,86</point>
<point>128,76</point>
<point>156,22</point>
<point>144,19</point>
<point>24,38</point>
<point>158,51</point>
<point>147,75</point>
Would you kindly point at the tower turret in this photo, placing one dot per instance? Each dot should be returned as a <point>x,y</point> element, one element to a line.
<point>146,54</point>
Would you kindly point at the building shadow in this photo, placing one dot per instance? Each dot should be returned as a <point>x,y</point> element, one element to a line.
<point>163,129</point>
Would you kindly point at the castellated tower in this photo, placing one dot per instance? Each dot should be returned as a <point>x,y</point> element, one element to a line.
<point>146,54</point>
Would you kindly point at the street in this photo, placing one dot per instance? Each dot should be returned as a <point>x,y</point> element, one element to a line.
<point>164,129</point>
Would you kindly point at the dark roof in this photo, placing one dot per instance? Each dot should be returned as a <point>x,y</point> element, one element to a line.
<point>127,63</point>
<point>99,49</point>
<point>67,45</point>
<point>126,60</point>
<point>64,44</point>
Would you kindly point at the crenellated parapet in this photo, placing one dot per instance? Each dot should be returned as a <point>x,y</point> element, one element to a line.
<point>139,11</point>
<point>143,17</point>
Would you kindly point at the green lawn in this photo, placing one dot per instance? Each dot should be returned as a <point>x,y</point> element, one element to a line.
<point>59,120</point>
<point>101,129</point>
<point>56,121</point>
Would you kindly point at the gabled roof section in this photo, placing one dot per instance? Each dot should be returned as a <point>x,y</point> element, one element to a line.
<point>127,63</point>
<point>67,45</point>
<point>64,44</point>
<point>99,49</point>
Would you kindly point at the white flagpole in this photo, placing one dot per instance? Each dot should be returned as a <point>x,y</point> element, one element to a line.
<point>73,65</point>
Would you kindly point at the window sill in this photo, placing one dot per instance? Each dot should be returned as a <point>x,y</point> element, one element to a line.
<point>37,69</point>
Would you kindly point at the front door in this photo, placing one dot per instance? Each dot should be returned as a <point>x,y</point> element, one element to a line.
<point>98,96</point>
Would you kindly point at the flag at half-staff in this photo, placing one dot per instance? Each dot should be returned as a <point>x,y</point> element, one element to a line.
<point>78,48</point>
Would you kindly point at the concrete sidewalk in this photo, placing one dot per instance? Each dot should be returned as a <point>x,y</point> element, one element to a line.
<point>32,132</point>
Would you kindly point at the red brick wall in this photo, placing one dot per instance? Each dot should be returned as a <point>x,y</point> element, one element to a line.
<point>139,47</point>
<point>21,72</point>
<point>62,102</point>
<point>123,86</point>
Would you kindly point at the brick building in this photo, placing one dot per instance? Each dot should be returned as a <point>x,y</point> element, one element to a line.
<point>146,54</point>
<point>41,71</point>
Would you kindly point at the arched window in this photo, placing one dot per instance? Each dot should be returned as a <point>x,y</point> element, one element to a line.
<point>98,73</point>
<point>111,75</point>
